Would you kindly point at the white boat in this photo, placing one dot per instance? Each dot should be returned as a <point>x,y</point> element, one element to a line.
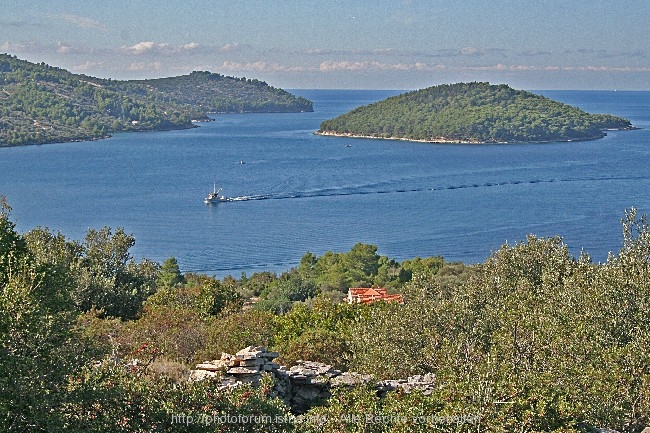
<point>214,196</point>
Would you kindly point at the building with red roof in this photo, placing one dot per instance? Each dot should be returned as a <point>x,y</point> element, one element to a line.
<point>368,295</point>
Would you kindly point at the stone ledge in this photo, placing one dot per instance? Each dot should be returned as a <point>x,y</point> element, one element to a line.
<point>302,384</point>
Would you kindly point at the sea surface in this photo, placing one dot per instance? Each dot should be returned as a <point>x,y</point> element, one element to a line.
<point>294,191</point>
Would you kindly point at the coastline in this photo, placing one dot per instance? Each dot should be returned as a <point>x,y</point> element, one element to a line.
<point>437,140</point>
<point>444,140</point>
<point>193,124</point>
<point>103,137</point>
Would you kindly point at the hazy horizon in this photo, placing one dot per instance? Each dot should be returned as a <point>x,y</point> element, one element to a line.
<point>402,45</point>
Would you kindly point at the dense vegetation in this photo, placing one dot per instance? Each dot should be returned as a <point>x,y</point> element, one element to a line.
<point>215,93</point>
<point>44,104</point>
<point>531,340</point>
<point>472,113</point>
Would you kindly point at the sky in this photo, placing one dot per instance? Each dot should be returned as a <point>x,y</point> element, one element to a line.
<point>342,44</point>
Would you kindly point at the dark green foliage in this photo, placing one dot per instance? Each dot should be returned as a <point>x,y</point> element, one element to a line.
<point>559,340</point>
<point>99,273</point>
<point>280,295</point>
<point>232,332</point>
<point>473,113</point>
<point>531,340</point>
<point>222,296</point>
<point>419,266</point>
<point>360,410</point>
<point>255,284</point>
<point>170,274</point>
<point>109,279</point>
<point>12,246</point>
<point>192,321</point>
<point>38,346</point>
<point>321,332</point>
<point>331,275</point>
<point>44,104</point>
<point>206,296</point>
<point>216,93</point>
<point>360,267</point>
<point>178,333</point>
<point>130,398</point>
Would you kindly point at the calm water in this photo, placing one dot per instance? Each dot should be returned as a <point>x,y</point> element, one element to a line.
<point>298,192</point>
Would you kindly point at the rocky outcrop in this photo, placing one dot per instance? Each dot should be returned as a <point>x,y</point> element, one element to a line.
<point>302,385</point>
<point>308,382</point>
<point>424,383</point>
<point>246,366</point>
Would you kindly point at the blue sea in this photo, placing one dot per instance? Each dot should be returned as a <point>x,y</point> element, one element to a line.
<point>295,191</point>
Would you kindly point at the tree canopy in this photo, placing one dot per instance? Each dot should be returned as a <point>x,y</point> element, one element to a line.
<point>44,104</point>
<point>532,339</point>
<point>472,113</point>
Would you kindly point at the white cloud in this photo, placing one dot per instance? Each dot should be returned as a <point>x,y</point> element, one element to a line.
<point>373,52</point>
<point>69,49</point>
<point>235,66</point>
<point>344,65</point>
<point>190,47</point>
<point>262,66</point>
<point>159,48</point>
<point>318,51</point>
<point>606,68</point>
<point>398,52</point>
<point>88,66</point>
<point>590,68</point>
<point>142,66</point>
<point>144,47</point>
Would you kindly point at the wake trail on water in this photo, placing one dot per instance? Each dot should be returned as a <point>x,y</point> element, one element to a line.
<point>356,190</point>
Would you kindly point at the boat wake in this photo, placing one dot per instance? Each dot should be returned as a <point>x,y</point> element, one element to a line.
<point>250,197</point>
<point>356,190</point>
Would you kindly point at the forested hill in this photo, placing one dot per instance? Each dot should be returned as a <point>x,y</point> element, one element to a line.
<point>472,113</point>
<point>44,104</point>
<point>217,93</point>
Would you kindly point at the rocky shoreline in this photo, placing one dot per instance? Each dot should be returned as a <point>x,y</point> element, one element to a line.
<point>438,140</point>
<point>443,140</point>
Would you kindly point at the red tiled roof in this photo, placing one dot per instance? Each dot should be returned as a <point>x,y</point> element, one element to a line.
<point>367,295</point>
<point>367,290</point>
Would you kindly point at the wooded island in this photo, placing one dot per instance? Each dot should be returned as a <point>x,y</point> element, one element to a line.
<point>44,104</point>
<point>472,113</point>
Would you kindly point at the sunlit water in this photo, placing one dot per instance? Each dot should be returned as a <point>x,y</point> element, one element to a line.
<point>293,191</point>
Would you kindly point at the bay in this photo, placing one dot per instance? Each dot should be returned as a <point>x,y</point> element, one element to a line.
<point>295,192</point>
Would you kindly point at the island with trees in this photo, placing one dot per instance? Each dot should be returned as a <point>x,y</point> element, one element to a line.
<point>44,104</point>
<point>475,112</point>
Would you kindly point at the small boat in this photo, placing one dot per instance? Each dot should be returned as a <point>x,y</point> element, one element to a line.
<point>214,196</point>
